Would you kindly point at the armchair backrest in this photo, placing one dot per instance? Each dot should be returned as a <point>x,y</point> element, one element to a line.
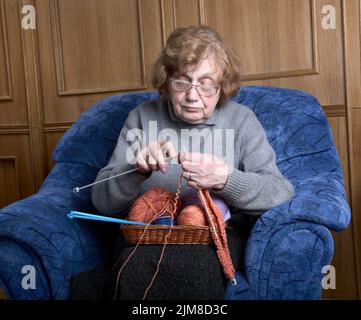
<point>298,130</point>
<point>294,121</point>
<point>93,137</point>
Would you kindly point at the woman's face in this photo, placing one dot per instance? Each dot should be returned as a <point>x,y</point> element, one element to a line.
<point>190,106</point>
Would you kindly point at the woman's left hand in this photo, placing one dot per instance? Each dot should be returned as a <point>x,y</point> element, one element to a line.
<point>203,170</point>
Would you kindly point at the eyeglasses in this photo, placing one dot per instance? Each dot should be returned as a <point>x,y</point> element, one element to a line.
<point>205,89</point>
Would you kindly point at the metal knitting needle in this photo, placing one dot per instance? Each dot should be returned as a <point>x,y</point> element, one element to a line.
<point>77,189</point>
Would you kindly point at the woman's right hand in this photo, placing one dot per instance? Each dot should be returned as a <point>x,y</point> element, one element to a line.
<point>153,156</point>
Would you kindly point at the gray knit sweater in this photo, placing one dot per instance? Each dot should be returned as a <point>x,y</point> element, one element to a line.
<point>232,133</point>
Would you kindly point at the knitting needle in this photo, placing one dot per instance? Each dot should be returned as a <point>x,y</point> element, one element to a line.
<point>77,189</point>
<point>88,216</point>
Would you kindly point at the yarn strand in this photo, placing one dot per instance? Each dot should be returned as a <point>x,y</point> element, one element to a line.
<point>155,216</point>
<point>127,260</point>
<point>177,196</point>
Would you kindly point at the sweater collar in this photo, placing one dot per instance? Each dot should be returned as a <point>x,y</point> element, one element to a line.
<point>212,120</point>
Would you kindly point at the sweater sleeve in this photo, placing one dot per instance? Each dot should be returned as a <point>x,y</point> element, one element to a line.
<point>115,196</point>
<point>256,184</point>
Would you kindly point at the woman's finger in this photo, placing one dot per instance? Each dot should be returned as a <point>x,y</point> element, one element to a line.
<point>142,163</point>
<point>190,167</point>
<point>157,157</point>
<point>162,165</point>
<point>152,163</point>
<point>192,176</point>
<point>168,150</point>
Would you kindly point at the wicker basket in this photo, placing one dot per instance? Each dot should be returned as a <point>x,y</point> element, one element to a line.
<point>181,234</point>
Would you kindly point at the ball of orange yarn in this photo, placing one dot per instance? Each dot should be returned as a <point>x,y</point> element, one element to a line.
<point>152,203</point>
<point>192,215</point>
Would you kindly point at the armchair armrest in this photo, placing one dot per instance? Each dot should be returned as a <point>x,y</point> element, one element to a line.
<point>319,199</point>
<point>290,243</point>
<point>61,246</point>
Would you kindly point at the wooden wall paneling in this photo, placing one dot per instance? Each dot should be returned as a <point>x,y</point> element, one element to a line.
<point>355,124</point>
<point>275,58</point>
<point>13,105</point>
<point>352,47</point>
<point>152,20</point>
<point>346,285</point>
<point>343,261</point>
<point>328,85</point>
<point>338,126</point>
<point>181,13</point>
<point>16,156</point>
<point>5,76</point>
<point>9,175</point>
<point>263,33</point>
<point>331,83</point>
<point>52,136</point>
<point>16,121</point>
<point>168,18</point>
<point>187,13</point>
<point>101,33</point>
<point>99,50</point>
<point>33,97</point>
<point>65,94</point>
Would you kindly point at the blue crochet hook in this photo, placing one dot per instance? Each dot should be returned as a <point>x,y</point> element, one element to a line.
<point>88,216</point>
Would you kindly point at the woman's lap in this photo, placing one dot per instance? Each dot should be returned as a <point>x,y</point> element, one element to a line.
<point>186,271</point>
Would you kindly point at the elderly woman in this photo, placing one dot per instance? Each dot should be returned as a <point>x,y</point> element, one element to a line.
<point>226,147</point>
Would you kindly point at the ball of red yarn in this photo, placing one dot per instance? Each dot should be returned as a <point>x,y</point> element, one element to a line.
<point>192,215</point>
<point>190,196</point>
<point>152,203</point>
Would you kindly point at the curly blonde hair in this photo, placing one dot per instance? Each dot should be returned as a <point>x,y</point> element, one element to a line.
<point>185,48</point>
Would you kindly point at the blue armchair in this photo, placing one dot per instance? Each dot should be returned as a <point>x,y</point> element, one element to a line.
<point>288,245</point>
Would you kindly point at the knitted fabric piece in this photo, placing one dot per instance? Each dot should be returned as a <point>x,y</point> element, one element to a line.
<point>186,272</point>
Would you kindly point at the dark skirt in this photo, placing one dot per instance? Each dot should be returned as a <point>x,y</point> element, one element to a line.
<point>187,272</point>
